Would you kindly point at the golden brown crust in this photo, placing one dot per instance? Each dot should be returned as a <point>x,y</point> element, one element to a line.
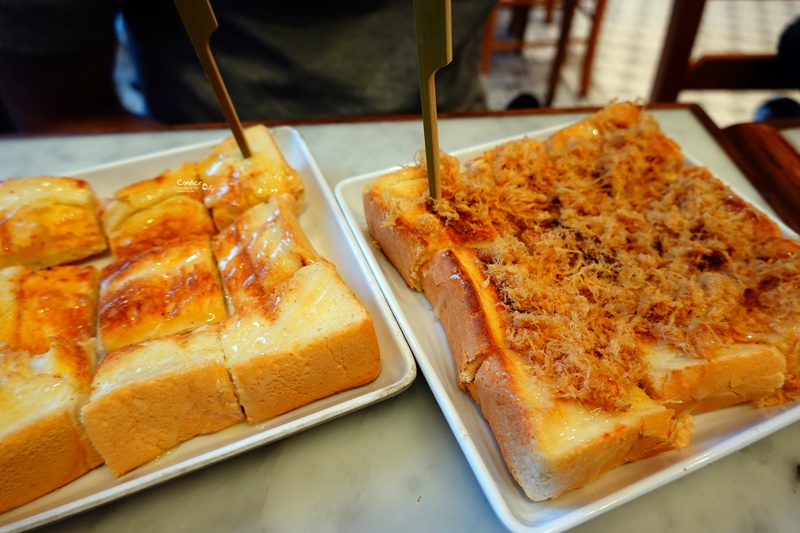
<point>161,291</point>
<point>311,340</point>
<point>56,302</point>
<point>47,220</point>
<point>261,248</point>
<point>467,305</point>
<point>235,184</point>
<point>157,211</point>
<point>396,213</point>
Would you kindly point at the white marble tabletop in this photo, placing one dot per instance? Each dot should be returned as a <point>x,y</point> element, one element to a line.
<point>396,465</point>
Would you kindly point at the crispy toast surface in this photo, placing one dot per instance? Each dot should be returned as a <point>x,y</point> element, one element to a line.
<point>36,305</point>
<point>264,246</point>
<point>234,184</point>
<point>310,340</point>
<point>47,221</point>
<point>157,211</point>
<point>162,291</point>
<point>575,264</point>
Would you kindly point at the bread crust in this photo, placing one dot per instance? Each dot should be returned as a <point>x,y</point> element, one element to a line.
<point>312,340</point>
<point>150,397</point>
<point>467,305</point>
<point>393,210</point>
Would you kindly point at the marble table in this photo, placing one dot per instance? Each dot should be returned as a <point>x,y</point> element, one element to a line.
<point>396,465</point>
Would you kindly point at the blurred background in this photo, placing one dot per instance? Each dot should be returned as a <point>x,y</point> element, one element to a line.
<point>630,39</point>
<point>612,51</point>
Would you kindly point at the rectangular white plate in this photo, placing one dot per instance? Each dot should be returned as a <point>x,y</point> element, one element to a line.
<point>716,434</point>
<point>328,232</point>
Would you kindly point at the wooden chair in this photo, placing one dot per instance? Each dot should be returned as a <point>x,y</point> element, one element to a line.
<point>677,72</point>
<point>520,12</point>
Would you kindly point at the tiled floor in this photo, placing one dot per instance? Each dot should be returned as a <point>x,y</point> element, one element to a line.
<point>629,48</point>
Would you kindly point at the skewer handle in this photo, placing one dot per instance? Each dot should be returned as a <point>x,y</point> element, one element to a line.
<point>200,23</point>
<point>434,51</point>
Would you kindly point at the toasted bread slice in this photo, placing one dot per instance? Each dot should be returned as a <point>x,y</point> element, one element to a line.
<point>42,443</point>
<point>161,291</point>
<point>468,307</point>
<point>47,220</point>
<point>234,184</point>
<point>396,213</point>
<point>262,247</point>
<point>567,261</point>
<point>529,425</point>
<point>56,302</point>
<point>733,374</point>
<point>400,218</point>
<point>311,340</point>
<point>149,397</point>
<point>157,211</point>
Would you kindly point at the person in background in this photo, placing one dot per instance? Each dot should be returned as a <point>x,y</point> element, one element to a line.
<point>279,61</point>
<point>783,107</point>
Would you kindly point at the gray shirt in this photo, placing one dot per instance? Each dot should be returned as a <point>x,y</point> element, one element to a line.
<point>279,60</point>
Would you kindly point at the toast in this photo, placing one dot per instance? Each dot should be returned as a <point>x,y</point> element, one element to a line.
<point>234,184</point>
<point>310,339</point>
<point>593,270</point>
<point>157,211</point>
<point>47,221</point>
<point>43,446</point>
<point>161,291</point>
<point>149,397</point>
<point>36,305</point>
<point>264,246</point>
<point>529,425</point>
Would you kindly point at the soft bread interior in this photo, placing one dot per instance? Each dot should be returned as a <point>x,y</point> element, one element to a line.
<point>733,374</point>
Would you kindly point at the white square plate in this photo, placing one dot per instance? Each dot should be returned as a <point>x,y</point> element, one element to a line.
<point>715,435</point>
<point>327,230</point>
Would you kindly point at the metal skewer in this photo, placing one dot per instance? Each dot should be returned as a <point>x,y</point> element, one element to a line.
<point>200,23</point>
<point>434,50</point>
